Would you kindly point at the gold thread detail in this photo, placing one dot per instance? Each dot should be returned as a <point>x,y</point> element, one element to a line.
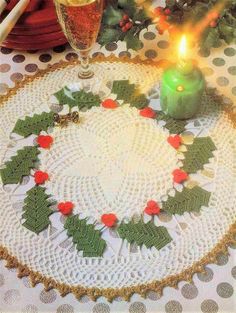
<point>125,292</point>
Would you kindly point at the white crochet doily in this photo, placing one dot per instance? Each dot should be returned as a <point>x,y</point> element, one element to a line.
<point>112,162</point>
<point>92,165</point>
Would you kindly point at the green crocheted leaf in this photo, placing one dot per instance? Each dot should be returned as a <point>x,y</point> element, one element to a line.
<point>198,154</point>
<point>129,94</point>
<point>80,99</point>
<point>37,209</point>
<point>189,200</point>
<point>19,165</point>
<point>145,234</point>
<point>86,99</point>
<point>85,237</point>
<point>34,124</point>
<point>174,126</point>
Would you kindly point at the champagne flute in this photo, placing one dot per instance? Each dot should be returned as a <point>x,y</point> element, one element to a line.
<point>80,21</point>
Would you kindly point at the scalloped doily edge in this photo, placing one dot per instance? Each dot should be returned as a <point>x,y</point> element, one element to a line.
<point>126,292</point>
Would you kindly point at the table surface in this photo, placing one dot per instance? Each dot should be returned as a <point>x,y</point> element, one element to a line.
<point>212,292</point>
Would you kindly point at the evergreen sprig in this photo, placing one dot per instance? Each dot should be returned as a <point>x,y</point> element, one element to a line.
<point>80,99</point>
<point>147,234</point>
<point>37,209</point>
<point>129,93</point>
<point>198,154</point>
<point>34,125</point>
<point>85,237</point>
<point>111,30</point>
<point>174,126</point>
<point>188,200</point>
<point>221,25</point>
<point>19,165</point>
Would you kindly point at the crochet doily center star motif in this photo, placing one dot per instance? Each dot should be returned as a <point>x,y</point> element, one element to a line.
<point>114,161</point>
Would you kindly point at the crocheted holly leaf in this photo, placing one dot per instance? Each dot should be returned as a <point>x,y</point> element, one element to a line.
<point>174,126</point>
<point>129,94</point>
<point>85,237</point>
<point>144,234</point>
<point>80,99</point>
<point>189,200</point>
<point>34,124</point>
<point>37,209</point>
<point>198,154</point>
<point>19,165</point>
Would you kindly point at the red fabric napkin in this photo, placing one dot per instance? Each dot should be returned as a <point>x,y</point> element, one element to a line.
<point>33,5</point>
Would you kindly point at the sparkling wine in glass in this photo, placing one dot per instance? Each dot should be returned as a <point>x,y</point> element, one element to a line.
<point>80,21</point>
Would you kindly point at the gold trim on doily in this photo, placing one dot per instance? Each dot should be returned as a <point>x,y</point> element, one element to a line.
<point>125,292</point>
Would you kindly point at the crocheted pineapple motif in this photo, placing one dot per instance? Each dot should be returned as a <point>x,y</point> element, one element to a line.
<point>34,125</point>
<point>145,234</point>
<point>36,210</point>
<point>188,200</point>
<point>129,93</point>
<point>80,99</point>
<point>198,154</point>
<point>85,237</point>
<point>19,165</point>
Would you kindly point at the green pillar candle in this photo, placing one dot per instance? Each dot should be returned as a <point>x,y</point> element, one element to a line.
<point>182,87</point>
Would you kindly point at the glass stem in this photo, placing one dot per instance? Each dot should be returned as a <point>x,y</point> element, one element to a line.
<point>85,71</point>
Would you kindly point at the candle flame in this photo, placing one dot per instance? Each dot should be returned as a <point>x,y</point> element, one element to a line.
<point>183,47</point>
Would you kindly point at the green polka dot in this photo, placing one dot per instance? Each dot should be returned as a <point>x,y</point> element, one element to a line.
<point>207,71</point>
<point>151,54</point>
<point>204,53</point>
<point>163,44</point>
<point>230,52</point>
<point>222,81</point>
<point>232,70</point>
<point>234,90</point>
<point>218,62</point>
<point>149,36</point>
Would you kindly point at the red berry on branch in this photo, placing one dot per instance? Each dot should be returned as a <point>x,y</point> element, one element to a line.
<point>122,23</point>
<point>167,11</point>
<point>213,15</point>
<point>124,29</point>
<point>128,25</point>
<point>213,24</point>
<point>158,11</point>
<point>125,17</point>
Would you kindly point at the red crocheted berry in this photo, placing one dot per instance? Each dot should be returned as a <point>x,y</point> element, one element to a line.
<point>174,141</point>
<point>179,176</point>
<point>44,141</point>
<point>147,112</point>
<point>109,219</point>
<point>110,104</point>
<point>65,207</point>
<point>40,177</point>
<point>152,208</point>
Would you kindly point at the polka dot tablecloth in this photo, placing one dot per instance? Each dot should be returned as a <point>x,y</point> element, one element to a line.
<point>211,292</point>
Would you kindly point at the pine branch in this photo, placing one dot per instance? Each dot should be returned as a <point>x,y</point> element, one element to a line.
<point>174,126</point>
<point>85,237</point>
<point>144,234</point>
<point>129,94</point>
<point>34,124</point>
<point>189,200</point>
<point>198,154</point>
<point>37,209</point>
<point>80,99</point>
<point>19,165</point>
